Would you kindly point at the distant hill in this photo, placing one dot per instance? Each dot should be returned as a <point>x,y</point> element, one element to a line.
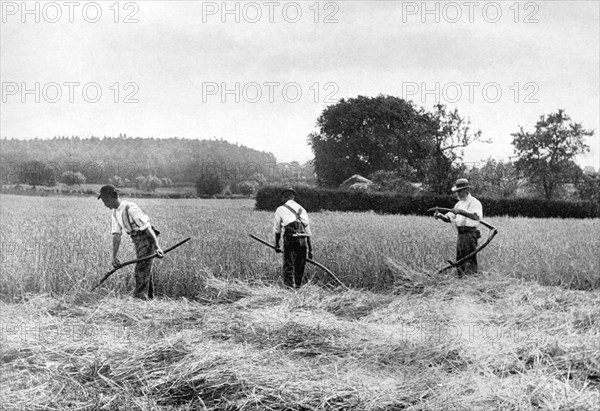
<point>181,160</point>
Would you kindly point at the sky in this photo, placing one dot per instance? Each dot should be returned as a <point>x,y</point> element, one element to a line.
<point>260,73</point>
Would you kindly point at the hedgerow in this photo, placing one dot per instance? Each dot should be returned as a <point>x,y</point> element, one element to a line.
<point>317,199</point>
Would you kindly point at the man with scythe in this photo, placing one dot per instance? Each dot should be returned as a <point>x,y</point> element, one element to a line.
<point>127,216</point>
<point>465,217</point>
<point>291,220</point>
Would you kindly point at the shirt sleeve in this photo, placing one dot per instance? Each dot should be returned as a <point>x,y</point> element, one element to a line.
<point>277,223</point>
<point>115,227</point>
<point>476,208</point>
<point>453,216</point>
<point>450,214</point>
<point>304,216</point>
<point>138,217</point>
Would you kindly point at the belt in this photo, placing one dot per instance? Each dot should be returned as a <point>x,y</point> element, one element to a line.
<point>463,230</point>
<point>291,229</point>
<point>136,233</point>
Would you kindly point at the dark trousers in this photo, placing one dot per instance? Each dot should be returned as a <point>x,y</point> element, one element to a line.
<point>144,284</point>
<point>466,244</point>
<point>294,260</point>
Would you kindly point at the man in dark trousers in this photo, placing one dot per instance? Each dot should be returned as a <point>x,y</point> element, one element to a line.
<point>292,219</point>
<point>127,216</point>
<point>465,217</point>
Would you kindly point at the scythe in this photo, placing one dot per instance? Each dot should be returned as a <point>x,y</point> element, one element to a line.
<point>492,233</point>
<point>111,272</point>
<point>321,266</point>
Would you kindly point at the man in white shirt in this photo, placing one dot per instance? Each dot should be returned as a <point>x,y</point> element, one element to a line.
<point>291,220</point>
<point>127,216</point>
<point>465,217</point>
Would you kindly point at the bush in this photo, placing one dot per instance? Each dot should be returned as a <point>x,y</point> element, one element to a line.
<point>152,183</point>
<point>316,199</point>
<point>139,182</point>
<point>116,181</point>
<point>147,183</point>
<point>209,185</point>
<point>70,178</point>
<point>246,188</point>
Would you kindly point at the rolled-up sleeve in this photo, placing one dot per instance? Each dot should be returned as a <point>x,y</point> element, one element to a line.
<point>277,224</point>
<point>115,227</point>
<point>139,218</point>
<point>476,208</point>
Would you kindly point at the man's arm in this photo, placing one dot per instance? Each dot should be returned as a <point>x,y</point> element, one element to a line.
<point>159,251</point>
<point>472,216</point>
<point>116,243</point>
<point>277,231</point>
<point>440,216</point>
<point>309,244</point>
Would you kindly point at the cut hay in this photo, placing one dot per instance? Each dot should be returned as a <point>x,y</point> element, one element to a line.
<point>354,304</point>
<point>407,279</point>
<point>307,349</point>
<point>218,291</point>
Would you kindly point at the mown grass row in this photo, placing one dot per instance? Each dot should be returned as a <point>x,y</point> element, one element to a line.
<point>62,245</point>
<point>481,343</point>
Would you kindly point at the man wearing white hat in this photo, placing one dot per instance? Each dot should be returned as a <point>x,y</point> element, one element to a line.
<point>465,217</point>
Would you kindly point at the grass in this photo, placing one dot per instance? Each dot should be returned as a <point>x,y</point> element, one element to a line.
<point>224,335</point>
<point>63,244</point>
<point>483,343</point>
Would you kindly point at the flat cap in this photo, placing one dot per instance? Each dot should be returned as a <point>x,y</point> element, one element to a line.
<point>288,189</point>
<point>108,190</point>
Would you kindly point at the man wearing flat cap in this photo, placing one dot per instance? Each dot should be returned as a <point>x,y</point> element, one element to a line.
<point>291,220</point>
<point>465,217</point>
<point>127,216</point>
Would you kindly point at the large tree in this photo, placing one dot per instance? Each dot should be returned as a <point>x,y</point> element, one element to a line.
<point>547,155</point>
<point>452,135</point>
<point>366,135</point>
<point>363,135</point>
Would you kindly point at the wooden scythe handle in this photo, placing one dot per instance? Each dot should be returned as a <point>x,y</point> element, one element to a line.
<point>321,266</point>
<point>148,257</point>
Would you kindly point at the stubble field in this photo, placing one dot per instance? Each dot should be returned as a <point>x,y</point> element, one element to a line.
<point>522,335</point>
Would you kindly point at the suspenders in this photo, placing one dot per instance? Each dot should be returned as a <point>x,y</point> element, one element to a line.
<point>131,224</point>
<point>297,214</point>
<point>127,222</point>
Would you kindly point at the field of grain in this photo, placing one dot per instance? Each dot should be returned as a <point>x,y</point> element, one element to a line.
<point>224,334</point>
<point>56,245</point>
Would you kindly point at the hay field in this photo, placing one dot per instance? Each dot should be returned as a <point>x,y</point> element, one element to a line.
<point>523,335</point>
<point>59,245</point>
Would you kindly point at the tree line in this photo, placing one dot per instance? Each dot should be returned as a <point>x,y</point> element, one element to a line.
<point>124,160</point>
<point>397,145</point>
<point>400,146</point>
